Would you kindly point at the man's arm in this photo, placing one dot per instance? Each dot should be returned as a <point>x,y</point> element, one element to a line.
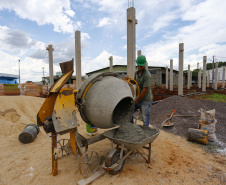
<point>142,94</point>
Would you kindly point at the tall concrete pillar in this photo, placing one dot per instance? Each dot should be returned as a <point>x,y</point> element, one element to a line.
<point>219,77</point>
<point>181,62</point>
<point>167,77</point>
<point>111,63</point>
<point>131,41</point>
<point>78,60</point>
<point>51,78</point>
<point>208,79</point>
<point>215,77</point>
<point>189,77</point>
<point>204,74</point>
<point>199,78</point>
<point>138,52</point>
<point>223,77</point>
<point>171,74</point>
<point>197,65</point>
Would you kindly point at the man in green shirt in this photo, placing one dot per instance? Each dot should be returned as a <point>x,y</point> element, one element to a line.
<point>144,100</point>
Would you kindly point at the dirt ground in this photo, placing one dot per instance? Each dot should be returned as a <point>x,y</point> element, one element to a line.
<point>174,160</point>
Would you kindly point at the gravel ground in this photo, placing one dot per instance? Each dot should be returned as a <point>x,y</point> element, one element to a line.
<point>188,106</point>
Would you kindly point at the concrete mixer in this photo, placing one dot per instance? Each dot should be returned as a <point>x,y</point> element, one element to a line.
<point>104,100</point>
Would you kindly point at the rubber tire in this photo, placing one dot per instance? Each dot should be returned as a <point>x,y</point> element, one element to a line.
<point>112,159</point>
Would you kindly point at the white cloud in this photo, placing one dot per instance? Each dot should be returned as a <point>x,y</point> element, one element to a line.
<point>203,33</point>
<point>71,13</point>
<point>163,21</point>
<point>16,41</point>
<point>124,37</point>
<point>110,6</point>
<point>84,36</point>
<point>103,22</point>
<point>30,69</point>
<point>44,12</point>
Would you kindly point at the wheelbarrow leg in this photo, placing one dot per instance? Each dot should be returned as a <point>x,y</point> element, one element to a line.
<point>149,153</point>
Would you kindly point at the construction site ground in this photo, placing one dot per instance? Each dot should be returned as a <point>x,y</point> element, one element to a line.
<point>174,160</point>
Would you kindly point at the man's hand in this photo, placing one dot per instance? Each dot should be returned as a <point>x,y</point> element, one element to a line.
<point>142,94</point>
<point>129,79</point>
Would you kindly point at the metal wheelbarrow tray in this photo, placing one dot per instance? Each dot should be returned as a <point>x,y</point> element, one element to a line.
<point>149,132</point>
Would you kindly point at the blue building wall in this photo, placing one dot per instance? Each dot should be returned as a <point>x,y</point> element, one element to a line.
<point>8,80</point>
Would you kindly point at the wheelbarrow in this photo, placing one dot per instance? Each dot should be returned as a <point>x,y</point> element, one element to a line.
<point>117,156</point>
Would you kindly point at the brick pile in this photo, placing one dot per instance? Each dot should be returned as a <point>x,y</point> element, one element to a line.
<point>45,89</point>
<point>29,89</point>
<point>32,90</point>
<point>72,86</point>
<point>1,89</point>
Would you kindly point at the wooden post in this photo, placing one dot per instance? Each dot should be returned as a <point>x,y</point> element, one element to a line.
<point>54,156</point>
<point>73,142</point>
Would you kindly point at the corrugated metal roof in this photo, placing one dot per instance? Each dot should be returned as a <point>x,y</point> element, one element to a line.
<point>9,75</point>
<point>149,68</point>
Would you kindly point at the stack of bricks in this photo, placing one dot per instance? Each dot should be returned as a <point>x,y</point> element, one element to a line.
<point>72,86</point>
<point>32,90</point>
<point>22,89</point>
<point>1,89</point>
<point>29,89</point>
<point>45,90</point>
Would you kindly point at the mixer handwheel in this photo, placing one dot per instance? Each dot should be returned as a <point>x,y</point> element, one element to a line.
<point>64,146</point>
<point>89,163</point>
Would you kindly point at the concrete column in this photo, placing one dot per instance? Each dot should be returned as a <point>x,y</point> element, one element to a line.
<point>223,77</point>
<point>131,41</point>
<point>171,74</point>
<point>138,52</point>
<point>189,77</point>
<point>197,65</point>
<point>199,78</point>
<point>204,74</point>
<point>219,75</point>
<point>111,63</point>
<point>208,79</point>
<point>181,62</point>
<point>215,77</point>
<point>167,78</point>
<point>78,60</point>
<point>51,78</point>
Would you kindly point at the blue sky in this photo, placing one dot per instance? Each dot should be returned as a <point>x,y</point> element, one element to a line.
<point>28,27</point>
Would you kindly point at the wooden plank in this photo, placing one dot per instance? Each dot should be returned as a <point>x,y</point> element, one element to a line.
<point>95,176</point>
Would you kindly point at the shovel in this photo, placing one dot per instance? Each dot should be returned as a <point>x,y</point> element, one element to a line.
<point>167,122</point>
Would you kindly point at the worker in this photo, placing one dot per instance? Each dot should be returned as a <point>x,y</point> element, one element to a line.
<point>144,100</point>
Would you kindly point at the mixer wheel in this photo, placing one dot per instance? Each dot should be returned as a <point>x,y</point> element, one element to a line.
<point>89,163</point>
<point>111,159</point>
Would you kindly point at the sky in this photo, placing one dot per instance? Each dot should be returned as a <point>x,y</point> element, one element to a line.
<point>28,27</point>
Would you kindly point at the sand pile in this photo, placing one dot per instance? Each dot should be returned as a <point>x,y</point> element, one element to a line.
<point>17,112</point>
<point>173,159</point>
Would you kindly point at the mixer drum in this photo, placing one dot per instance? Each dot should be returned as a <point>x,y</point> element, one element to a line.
<point>105,100</point>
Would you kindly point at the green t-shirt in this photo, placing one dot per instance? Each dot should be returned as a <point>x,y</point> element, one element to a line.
<point>144,81</point>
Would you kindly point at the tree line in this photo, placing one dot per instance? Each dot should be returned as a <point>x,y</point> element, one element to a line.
<point>210,65</point>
